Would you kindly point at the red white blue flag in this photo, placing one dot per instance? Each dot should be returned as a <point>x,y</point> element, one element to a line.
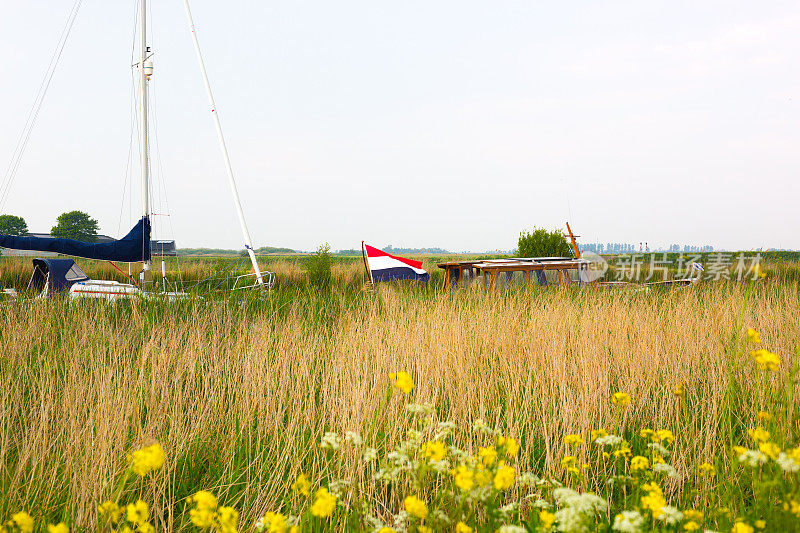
<point>386,267</point>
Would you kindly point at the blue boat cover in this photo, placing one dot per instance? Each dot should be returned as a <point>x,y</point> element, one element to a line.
<point>132,248</point>
<point>58,274</point>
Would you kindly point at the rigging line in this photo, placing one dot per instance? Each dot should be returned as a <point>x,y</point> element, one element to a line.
<point>33,114</point>
<point>134,129</point>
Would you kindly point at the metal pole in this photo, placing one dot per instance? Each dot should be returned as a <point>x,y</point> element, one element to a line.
<point>143,139</point>
<point>248,243</point>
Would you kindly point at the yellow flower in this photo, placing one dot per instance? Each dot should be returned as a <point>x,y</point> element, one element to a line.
<point>324,503</point>
<point>621,399</point>
<point>759,434</point>
<point>753,336</point>
<point>302,485</point>
<point>296,529</point>
<point>691,525</point>
<point>204,500</point>
<point>227,520</point>
<point>792,506</point>
<point>646,433</point>
<point>770,449</point>
<point>760,524</point>
<point>482,476</point>
<point>23,521</point>
<point>654,502</point>
<point>707,469</point>
<point>679,391</point>
<point>512,447</point>
<point>384,529</point>
<point>739,450</point>
<point>652,488</point>
<point>147,527</point>
<point>110,511</point>
<point>416,507</point>
<point>741,527</point>
<point>276,521</point>
<point>639,463</point>
<point>663,435</point>
<point>203,517</point>
<point>598,433</point>
<point>461,527</point>
<point>624,451</point>
<point>568,461</point>
<point>147,459</point>
<point>766,360</point>
<point>547,519</point>
<point>57,528</point>
<point>403,381</point>
<point>504,477</point>
<point>573,440</point>
<point>463,477</point>
<point>137,512</point>
<point>763,415</point>
<point>435,450</point>
<point>488,455</point>
<point>693,514</point>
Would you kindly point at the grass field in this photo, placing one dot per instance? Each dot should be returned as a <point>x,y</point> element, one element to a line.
<point>241,394</point>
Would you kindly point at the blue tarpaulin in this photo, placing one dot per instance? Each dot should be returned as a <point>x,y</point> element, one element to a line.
<point>57,274</point>
<point>132,248</point>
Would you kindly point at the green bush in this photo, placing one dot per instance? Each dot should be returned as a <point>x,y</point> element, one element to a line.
<point>319,266</point>
<point>542,243</point>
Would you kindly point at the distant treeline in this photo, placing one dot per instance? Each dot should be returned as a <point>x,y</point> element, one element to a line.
<point>223,251</point>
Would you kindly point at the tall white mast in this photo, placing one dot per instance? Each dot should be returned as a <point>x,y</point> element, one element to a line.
<point>143,138</point>
<point>248,243</point>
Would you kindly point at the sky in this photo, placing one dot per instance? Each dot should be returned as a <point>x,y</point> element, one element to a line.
<point>454,124</point>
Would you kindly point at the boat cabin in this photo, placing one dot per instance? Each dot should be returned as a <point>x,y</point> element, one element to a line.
<point>53,276</point>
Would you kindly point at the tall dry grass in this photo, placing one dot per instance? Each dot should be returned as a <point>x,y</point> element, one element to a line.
<point>239,394</point>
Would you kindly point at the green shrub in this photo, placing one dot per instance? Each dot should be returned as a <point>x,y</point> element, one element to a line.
<point>319,266</point>
<point>542,243</point>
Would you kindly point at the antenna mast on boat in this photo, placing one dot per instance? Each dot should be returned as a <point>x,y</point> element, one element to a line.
<point>248,243</point>
<point>145,70</point>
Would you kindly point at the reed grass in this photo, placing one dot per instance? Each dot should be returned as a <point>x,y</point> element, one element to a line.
<point>240,392</point>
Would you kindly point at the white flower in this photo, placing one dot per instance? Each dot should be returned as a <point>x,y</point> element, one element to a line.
<point>526,479</point>
<point>670,515</point>
<point>609,440</point>
<point>628,522</point>
<point>352,436</point>
<point>260,524</point>
<point>511,529</point>
<point>441,516</point>
<point>787,463</point>
<point>508,509</point>
<point>330,441</point>
<point>337,486</point>
<point>420,408</point>
<point>752,458</point>
<point>441,466</point>
<point>542,504</point>
<point>480,426</point>
<point>578,509</point>
<point>656,446</point>
<point>664,468</point>
<point>370,454</point>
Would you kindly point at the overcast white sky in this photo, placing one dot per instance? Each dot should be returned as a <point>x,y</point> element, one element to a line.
<point>421,123</point>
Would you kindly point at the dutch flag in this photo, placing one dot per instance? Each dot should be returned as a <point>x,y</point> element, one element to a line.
<point>385,267</point>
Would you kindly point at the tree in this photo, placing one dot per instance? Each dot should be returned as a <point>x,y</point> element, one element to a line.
<point>75,225</point>
<point>13,225</point>
<point>542,243</point>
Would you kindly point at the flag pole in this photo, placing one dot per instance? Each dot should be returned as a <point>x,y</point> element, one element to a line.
<point>366,263</point>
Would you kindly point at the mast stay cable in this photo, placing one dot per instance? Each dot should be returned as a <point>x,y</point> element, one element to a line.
<point>33,114</point>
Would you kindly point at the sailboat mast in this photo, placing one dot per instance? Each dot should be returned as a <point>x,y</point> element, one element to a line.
<point>143,137</point>
<point>248,243</point>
